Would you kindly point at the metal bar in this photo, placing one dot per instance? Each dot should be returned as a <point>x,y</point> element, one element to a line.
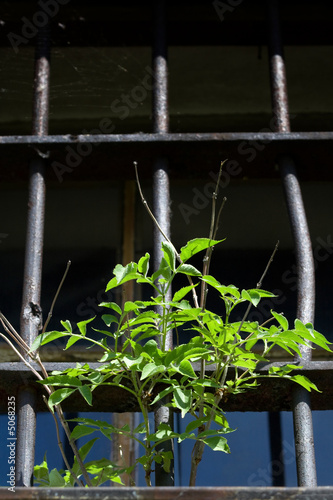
<point>303,430</point>
<point>275,438</point>
<point>123,447</point>
<point>31,316</point>
<point>159,138</point>
<point>185,493</point>
<point>274,394</point>
<point>161,197</point>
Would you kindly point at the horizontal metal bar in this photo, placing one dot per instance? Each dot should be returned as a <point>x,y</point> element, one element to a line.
<point>273,393</point>
<point>164,493</point>
<point>104,157</point>
<point>35,140</point>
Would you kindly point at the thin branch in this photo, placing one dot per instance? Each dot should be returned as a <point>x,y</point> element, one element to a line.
<point>72,444</point>
<point>259,284</point>
<point>21,357</point>
<point>79,483</point>
<point>194,294</point>
<point>13,333</point>
<point>49,316</point>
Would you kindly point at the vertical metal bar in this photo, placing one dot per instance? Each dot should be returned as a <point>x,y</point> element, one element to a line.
<point>277,461</point>
<point>161,191</point>
<point>303,429</point>
<point>123,448</point>
<point>31,318</point>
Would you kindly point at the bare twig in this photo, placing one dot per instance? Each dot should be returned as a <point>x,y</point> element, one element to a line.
<point>35,357</point>
<point>194,294</point>
<point>13,333</point>
<point>259,285</point>
<point>49,316</point>
<point>77,480</point>
<point>21,357</point>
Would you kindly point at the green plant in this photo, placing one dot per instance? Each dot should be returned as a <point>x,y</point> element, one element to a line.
<point>134,360</point>
<point>193,378</point>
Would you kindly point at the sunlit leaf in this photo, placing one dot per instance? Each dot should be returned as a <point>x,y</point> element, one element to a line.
<point>196,245</point>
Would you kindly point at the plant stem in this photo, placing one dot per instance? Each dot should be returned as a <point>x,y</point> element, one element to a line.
<point>49,316</point>
<point>77,480</point>
<point>194,294</point>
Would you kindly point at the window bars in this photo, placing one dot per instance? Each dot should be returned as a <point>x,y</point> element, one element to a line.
<point>164,146</point>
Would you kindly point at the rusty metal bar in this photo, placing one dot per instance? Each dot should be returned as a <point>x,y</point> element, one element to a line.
<point>185,493</point>
<point>31,315</point>
<point>161,193</point>
<point>303,430</point>
<point>275,394</point>
<point>188,138</point>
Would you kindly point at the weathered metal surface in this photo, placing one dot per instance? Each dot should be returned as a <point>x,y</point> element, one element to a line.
<point>303,429</point>
<point>165,493</point>
<point>96,157</point>
<point>274,394</point>
<point>161,199</point>
<point>31,314</point>
<point>190,137</point>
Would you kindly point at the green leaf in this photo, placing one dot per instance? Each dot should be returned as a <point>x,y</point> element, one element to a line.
<point>111,305</point>
<point>182,292</point>
<point>169,254</point>
<point>123,274</point>
<point>196,245</point>
<point>164,270</point>
<point>85,391</point>
<point>81,431</point>
<point>162,394</point>
<point>185,368</point>
<point>82,325</point>
<point>194,424</point>
<point>217,443</point>
<point>108,320</point>
<point>182,399</point>
<point>305,382</point>
<point>188,269</point>
<point>131,306</point>
<point>223,289</point>
<point>85,449</point>
<point>262,293</point>
<point>41,474</point>
<point>143,264</point>
<point>252,296</point>
<point>281,320</point>
<point>167,457</point>
<point>59,395</point>
<point>63,380</point>
<point>151,369</point>
<point>45,338</point>
<point>67,325</point>
<point>56,480</point>
<point>308,332</point>
<point>72,339</point>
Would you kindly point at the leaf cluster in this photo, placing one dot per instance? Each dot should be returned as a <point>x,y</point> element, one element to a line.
<point>134,357</point>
